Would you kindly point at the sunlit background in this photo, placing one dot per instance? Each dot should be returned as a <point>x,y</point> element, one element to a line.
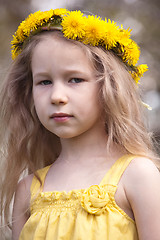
<point>142,16</point>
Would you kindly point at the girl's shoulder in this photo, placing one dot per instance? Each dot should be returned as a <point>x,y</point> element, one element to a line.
<point>141,172</point>
<point>141,180</point>
<point>21,206</point>
<point>141,168</point>
<point>23,191</point>
<point>142,187</point>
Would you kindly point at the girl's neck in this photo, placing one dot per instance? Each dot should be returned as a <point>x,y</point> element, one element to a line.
<point>87,148</point>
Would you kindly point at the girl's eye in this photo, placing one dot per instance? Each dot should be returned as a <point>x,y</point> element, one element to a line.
<point>76,80</point>
<point>45,82</point>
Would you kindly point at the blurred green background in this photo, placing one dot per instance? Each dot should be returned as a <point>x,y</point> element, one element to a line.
<point>142,16</point>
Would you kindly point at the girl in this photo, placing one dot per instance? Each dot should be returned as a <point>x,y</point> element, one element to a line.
<point>71,108</point>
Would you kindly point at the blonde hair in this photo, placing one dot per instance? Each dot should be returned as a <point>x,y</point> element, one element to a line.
<point>27,145</point>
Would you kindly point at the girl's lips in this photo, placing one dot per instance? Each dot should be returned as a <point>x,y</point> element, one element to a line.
<point>61,117</point>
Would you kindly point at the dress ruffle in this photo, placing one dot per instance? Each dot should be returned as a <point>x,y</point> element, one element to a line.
<point>93,200</point>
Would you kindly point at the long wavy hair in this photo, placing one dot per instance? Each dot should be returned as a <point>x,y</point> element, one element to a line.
<point>27,146</point>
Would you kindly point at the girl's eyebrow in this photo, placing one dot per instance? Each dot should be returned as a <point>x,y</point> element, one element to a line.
<point>40,74</point>
<point>70,71</point>
<point>66,72</point>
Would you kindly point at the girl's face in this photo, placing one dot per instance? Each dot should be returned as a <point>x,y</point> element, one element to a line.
<point>65,91</point>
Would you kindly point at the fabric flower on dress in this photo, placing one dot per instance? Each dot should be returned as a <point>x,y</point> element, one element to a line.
<point>95,199</point>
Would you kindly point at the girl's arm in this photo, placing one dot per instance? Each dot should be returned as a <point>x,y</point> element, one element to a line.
<point>21,206</point>
<point>143,192</point>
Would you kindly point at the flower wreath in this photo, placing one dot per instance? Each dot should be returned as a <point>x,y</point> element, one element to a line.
<point>90,30</point>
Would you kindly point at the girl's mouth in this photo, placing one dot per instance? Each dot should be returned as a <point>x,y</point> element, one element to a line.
<point>61,117</point>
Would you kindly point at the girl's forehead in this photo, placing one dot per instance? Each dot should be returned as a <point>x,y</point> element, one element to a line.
<point>57,53</point>
<point>52,43</point>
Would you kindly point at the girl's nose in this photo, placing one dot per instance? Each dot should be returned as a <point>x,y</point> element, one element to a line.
<point>59,95</point>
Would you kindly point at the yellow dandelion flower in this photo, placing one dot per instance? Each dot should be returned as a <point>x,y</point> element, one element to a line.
<point>15,51</point>
<point>33,21</point>
<point>138,73</point>
<point>25,27</point>
<point>131,53</point>
<point>111,34</point>
<point>20,32</point>
<point>94,29</point>
<point>45,16</point>
<point>124,36</point>
<point>15,41</point>
<point>60,11</point>
<point>141,69</point>
<point>73,25</point>
<point>30,24</point>
<point>135,77</point>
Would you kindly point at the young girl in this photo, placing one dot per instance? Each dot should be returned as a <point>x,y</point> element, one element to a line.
<point>70,107</point>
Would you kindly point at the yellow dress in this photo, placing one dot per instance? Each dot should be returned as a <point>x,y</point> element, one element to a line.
<point>85,214</point>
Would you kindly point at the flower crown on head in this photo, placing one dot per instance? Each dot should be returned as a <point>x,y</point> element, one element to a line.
<point>90,30</point>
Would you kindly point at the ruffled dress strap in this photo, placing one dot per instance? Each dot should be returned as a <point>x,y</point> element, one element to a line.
<point>36,185</point>
<point>116,171</point>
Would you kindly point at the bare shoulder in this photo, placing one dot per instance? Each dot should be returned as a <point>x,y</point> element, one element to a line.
<point>140,176</point>
<point>142,169</point>
<point>21,209</point>
<point>23,188</point>
<point>142,187</point>
<point>22,195</point>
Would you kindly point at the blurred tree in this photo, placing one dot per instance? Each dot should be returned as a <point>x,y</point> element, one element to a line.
<point>11,13</point>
